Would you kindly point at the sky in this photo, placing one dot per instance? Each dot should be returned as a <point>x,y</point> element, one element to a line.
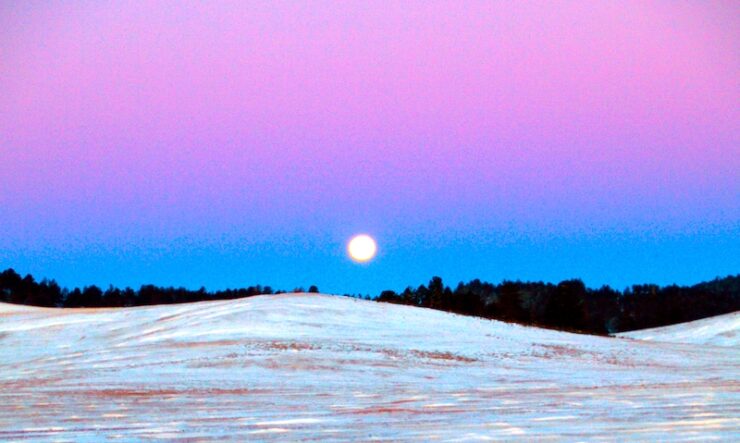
<point>226,144</point>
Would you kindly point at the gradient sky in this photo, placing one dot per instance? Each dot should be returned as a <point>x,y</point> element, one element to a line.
<point>233,143</point>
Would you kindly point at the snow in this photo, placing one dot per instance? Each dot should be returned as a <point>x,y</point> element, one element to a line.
<point>721,330</point>
<point>318,367</point>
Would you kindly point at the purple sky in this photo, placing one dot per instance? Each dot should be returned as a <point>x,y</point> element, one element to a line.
<point>231,143</point>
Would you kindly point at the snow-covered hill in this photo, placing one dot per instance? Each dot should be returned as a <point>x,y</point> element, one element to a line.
<point>323,368</point>
<point>722,330</point>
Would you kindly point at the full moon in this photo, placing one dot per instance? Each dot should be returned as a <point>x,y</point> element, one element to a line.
<point>362,248</point>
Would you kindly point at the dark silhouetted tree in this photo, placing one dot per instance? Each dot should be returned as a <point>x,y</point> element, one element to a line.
<point>565,307</point>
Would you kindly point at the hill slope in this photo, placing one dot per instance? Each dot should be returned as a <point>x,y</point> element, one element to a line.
<point>722,330</point>
<point>319,367</point>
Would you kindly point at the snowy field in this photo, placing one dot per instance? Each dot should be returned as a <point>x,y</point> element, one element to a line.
<point>324,368</point>
<point>723,330</point>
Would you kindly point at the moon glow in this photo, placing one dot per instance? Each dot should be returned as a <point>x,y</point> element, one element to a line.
<point>362,248</point>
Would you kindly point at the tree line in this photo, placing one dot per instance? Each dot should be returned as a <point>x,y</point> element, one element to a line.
<point>47,293</point>
<point>568,305</point>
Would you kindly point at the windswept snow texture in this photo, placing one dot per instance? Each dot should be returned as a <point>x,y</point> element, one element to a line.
<point>325,368</point>
<point>723,330</point>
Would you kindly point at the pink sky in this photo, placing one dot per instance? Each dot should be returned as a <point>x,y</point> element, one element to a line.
<point>450,123</point>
